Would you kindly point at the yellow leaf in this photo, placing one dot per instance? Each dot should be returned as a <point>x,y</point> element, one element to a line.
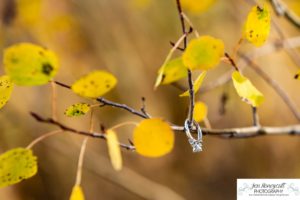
<point>197,6</point>
<point>257,26</point>
<point>246,90</point>
<point>6,88</point>
<point>94,84</point>
<point>16,165</point>
<point>153,138</point>
<point>203,53</point>
<point>114,150</point>
<point>197,85</point>
<point>77,109</point>
<point>173,71</point>
<point>77,193</point>
<point>29,64</point>
<point>29,11</point>
<point>200,111</point>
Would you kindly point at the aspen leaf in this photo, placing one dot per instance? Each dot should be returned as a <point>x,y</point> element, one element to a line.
<point>203,53</point>
<point>77,109</point>
<point>257,26</point>
<point>197,85</point>
<point>114,150</point>
<point>173,71</point>
<point>246,90</point>
<point>197,6</point>
<point>77,193</point>
<point>28,64</point>
<point>94,84</point>
<point>6,88</point>
<point>153,138</point>
<point>16,165</point>
<point>200,111</point>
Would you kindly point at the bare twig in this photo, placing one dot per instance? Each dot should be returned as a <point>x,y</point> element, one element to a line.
<point>69,129</point>
<point>282,10</point>
<point>255,116</point>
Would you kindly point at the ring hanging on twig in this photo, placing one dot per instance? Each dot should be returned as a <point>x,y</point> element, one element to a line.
<point>196,144</point>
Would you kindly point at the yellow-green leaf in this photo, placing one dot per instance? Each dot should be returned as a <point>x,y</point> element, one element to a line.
<point>197,6</point>
<point>77,193</point>
<point>6,88</point>
<point>246,90</point>
<point>200,111</point>
<point>94,84</point>
<point>28,64</point>
<point>203,53</point>
<point>197,85</point>
<point>16,165</point>
<point>173,71</point>
<point>114,150</point>
<point>153,138</point>
<point>77,109</point>
<point>257,26</point>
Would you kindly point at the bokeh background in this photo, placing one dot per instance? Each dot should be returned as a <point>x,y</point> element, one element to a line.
<point>130,38</point>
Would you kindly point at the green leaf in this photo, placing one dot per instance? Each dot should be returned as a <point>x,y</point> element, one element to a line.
<point>77,109</point>
<point>197,85</point>
<point>16,165</point>
<point>94,84</point>
<point>246,90</point>
<point>258,25</point>
<point>173,71</point>
<point>203,53</point>
<point>28,64</point>
<point>6,88</point>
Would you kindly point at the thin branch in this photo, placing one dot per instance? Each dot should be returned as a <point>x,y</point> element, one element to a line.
<point>255,116</point>
<point>192,98</point>
<point>69,129</point>
<point>143,108</point>
<point>53,100</point>
<point>42,137</point>
<point>282,10</point>
<point>122,106</point>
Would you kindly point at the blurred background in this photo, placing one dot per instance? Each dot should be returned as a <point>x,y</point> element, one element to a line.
<point>130,38</point>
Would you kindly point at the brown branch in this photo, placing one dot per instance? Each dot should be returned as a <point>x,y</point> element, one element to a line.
<point>282,10</point>
<point>72,130</point>
<point>255,116</point>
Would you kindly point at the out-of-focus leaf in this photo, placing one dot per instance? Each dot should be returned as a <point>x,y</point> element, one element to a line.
<point>197,6</point>
<point>257,26</point>
<point>77,109</point>
<point>114,150</point>
<point>173,71</point>
<point>28,64</point>
<point>6,88</point>
<point>200,111</point>
<point>203,53</point>
<point>77,193</point>
<point>16,165</point>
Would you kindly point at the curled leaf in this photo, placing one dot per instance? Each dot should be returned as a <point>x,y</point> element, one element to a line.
<point>114,150</point>
<point>200,111</point>
<point>174,70</point>
<point>257,26</point>
<point>6,88</point>
<point>77,109</point>
<point>16,165</point>
<point>77,193</point>
<point>197,85</point>
<point>246,90</point>
<point>153,138</point>
<point>203,53</point>
<point>94,84</point>
<point>28,64</point>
